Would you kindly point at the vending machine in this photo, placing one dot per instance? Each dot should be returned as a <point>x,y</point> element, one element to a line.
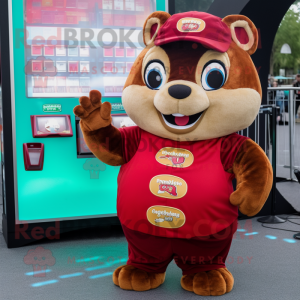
<point>52,53</point>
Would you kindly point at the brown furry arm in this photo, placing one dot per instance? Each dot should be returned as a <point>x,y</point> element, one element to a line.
<point>103,139</point>
<point>105,143</point>
<point>254,176</point>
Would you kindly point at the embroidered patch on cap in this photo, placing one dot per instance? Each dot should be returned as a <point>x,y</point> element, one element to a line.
<point>190,25</point>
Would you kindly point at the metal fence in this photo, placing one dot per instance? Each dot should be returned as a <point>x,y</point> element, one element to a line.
<point>287,129</point>
<point>262,130</point>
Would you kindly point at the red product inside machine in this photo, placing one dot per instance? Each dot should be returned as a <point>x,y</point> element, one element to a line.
<point>49,50</point>
<point>73,66</point>
<point>60,11</point>
<point>36,50</point>
<point>37,66</point>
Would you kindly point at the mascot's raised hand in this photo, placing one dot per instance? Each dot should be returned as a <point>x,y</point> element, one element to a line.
<point>100,136</point>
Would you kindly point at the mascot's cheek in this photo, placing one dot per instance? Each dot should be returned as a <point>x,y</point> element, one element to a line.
<point>230,111</point>
<point>138,103</point>
<point>233,110</point>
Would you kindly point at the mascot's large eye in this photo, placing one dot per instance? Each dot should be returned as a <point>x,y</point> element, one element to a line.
<point>213,75</point>
<point>155,74</point>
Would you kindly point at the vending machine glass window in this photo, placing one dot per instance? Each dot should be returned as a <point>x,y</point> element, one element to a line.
<point>64,38</point>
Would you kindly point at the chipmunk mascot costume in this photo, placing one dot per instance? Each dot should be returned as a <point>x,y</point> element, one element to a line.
<point>189,91</point>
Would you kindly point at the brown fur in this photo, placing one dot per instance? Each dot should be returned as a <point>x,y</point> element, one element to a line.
<point>242,73</point>
<point>106,144</point>
<point>254,176</point>
<point>132,279</point>
<point>161,15</point>
<point>184,57</point>
<point>233,18</point>
<point>212,283</point>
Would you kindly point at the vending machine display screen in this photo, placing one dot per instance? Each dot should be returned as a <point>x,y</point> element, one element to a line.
<point>75,46</point>
<point>49,125</point>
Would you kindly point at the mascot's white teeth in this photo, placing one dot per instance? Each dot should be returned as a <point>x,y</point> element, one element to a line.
<point>178,115</point>
<point>179,121</point>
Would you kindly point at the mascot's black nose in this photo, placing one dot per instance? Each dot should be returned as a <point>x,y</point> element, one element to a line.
<point>179,91</point>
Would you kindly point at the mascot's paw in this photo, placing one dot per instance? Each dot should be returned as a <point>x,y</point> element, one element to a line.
<point>211,283</point>
<point>132,279</point>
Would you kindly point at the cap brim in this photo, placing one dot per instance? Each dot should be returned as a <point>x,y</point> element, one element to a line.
<point>212,44</point>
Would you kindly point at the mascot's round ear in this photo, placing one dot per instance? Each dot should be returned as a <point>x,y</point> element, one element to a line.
<point>243,32</point>
<point>152,25</point>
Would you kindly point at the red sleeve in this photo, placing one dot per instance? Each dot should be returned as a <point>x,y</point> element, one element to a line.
<point>230,147</point>
<point>130,141</point>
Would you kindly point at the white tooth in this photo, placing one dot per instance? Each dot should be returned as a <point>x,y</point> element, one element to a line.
<point>178,115</point>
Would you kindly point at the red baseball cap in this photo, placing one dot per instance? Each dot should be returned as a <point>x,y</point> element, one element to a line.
<point>199,27</point>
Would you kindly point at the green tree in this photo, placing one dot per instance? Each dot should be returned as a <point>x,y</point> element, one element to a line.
<point>288,33</point>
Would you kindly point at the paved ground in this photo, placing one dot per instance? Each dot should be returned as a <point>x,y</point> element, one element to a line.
<point>265,263</point>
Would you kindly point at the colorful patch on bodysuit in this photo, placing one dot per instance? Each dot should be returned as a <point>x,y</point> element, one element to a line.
<point>175,157</point>
<point>168,186</point>
<point>165,216</point>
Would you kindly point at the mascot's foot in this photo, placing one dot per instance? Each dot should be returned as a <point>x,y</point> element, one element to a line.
<point>211,283</point>
<point>133,279</point>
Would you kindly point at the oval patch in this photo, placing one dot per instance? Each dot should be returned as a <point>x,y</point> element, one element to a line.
<point>175,157</point>
<point>168,186</point>
<point>165,216</point>
<point>190,25</point>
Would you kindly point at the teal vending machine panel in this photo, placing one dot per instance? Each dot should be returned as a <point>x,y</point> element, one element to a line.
<point>60,50</point>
